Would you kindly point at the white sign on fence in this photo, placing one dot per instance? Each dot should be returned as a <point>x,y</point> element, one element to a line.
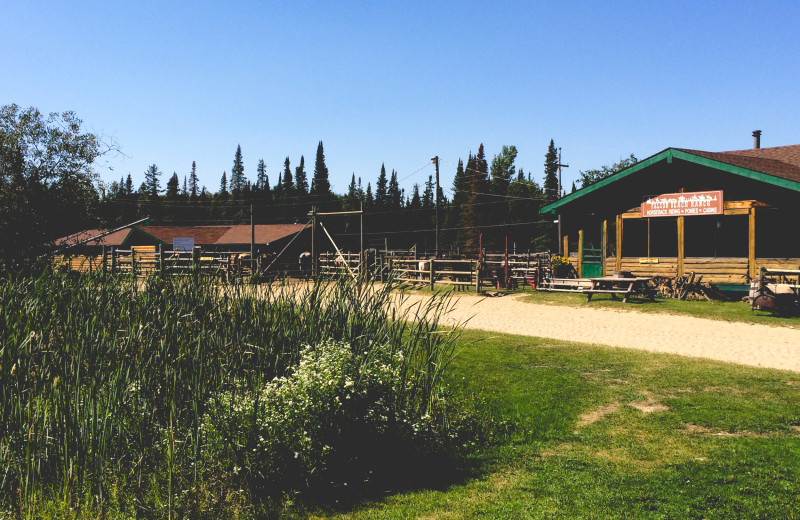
<point>182,244</point>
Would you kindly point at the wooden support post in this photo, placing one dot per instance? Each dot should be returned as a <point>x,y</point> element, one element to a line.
<point>196,259</point>
<point>432,272</point>
<point>314,259</point>
<point>160,253</point>
<point>681,243</point>
<point>605,246</point>
<point>751,243</point>
<point>580,253</point>
<point>105,257</point>
<point>618,264</point>
<point>113,260</point>
<point>477,277</point>
<point>565,248</point>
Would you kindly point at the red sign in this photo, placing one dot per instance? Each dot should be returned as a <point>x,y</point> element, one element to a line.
<point>684,204</point>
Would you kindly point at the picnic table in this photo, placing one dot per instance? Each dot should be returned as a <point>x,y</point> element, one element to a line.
<point>627,286</point>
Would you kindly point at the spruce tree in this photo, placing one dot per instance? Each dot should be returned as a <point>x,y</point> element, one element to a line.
<point>287,184</point>
<point>193,189</point>
<point>261,175</point>
<point>172,187</point>
<point>551,174</point>
<point>237,173</point>
<point>301,178</point>
<point>152,184</point>
<point>381,199</point>
<point>223,184</point>
<point>320,185</point>
<point>393,194</point>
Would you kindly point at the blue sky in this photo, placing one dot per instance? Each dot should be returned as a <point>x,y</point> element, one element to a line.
<point>396,83</point>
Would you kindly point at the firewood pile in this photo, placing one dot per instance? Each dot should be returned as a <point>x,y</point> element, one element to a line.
<point>687,287</point>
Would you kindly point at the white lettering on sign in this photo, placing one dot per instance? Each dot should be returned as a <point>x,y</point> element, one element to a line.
<point>684,204</point>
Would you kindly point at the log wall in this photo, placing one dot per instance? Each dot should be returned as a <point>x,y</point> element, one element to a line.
<point>716,270</point>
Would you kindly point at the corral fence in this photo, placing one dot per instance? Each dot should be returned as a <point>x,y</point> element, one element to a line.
<point>147,260</point>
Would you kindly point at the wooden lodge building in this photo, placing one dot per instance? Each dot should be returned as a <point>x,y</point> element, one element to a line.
<point>722,215</point>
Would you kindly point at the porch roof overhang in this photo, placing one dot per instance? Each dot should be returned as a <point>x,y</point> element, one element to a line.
<point>668,155</point>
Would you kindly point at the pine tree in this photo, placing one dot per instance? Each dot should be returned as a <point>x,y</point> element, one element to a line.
<point>320,185</point>
<point>185,190</point>
<point>287,184</point>
<point>261,175</point>
<point>301,178</point>
<point>238,179</point>
<point>472,217</point>
<point>129,186</point>
<point>381,199</point>
<point>223,184</point>
<point>393,194</point>
<point>193,191</point>
<point>172,187</point>
<point>152,184</point>
<point>369,200</point>
<point>551,174</point>
<point>351,202</point>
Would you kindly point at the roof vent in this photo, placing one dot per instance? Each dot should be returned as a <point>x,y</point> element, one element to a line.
<point>756,139</point>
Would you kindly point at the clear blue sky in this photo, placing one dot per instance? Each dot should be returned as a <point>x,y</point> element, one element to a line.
<point>396,83</point>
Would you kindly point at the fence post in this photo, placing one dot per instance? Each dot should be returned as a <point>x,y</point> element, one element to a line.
<point>105,257</point>
<point>133,262</point>
<point>477,277</point>
<point>160,252</point>
<point>195,259</point>
<point>432,272</point>
<point>113,259</point>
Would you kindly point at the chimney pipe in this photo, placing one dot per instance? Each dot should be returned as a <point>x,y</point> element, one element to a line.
<point>756,139</point>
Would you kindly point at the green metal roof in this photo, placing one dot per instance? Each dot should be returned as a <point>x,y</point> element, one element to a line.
<point>668,155</point>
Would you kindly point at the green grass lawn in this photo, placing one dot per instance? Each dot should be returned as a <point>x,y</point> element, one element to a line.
<point>611,433</point>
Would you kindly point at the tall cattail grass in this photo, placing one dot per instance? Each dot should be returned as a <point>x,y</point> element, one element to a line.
<point>104,380</point>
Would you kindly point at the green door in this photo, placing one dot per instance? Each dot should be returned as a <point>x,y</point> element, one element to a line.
<point>592,263</point>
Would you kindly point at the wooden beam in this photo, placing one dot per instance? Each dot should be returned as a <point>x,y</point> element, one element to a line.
<point>605,246</point>
<point>619,243</point>
<point>580,253</point>
<point>566,246</point>
<point>681,250</point>
<point>751,244</point>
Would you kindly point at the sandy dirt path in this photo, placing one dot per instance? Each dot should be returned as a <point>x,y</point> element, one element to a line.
<point>743,343</point>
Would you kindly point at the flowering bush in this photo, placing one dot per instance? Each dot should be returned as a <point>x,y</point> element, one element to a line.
<point>329,424</point>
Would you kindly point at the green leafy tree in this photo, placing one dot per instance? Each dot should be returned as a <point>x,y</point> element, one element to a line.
<point>503,170</point>
<point>590,177</point>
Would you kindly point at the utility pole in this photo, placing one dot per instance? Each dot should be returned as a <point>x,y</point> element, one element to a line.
<point>435,161</point>
<point>560,246</point>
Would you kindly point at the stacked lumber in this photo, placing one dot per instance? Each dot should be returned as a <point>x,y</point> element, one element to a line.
<point>687,287</point>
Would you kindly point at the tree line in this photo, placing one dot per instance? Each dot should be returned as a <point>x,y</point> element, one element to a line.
<point>49,189</point>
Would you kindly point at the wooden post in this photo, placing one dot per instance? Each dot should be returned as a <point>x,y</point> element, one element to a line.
<point>314,260</point>
<point>566,246</point>
<point>751,243</point>
<point>681,250</point>
<point>605,246</point>
<point>105,258</point>
<point>477,276</point>
<point>113,260</point>
<point>432,272</point>
<point>618,265</point>
<point>160,253</point>
<point>196,259</point>
<point>580,253</point>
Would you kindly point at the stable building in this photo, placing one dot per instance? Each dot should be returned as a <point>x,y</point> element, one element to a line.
<point>723,215</point>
